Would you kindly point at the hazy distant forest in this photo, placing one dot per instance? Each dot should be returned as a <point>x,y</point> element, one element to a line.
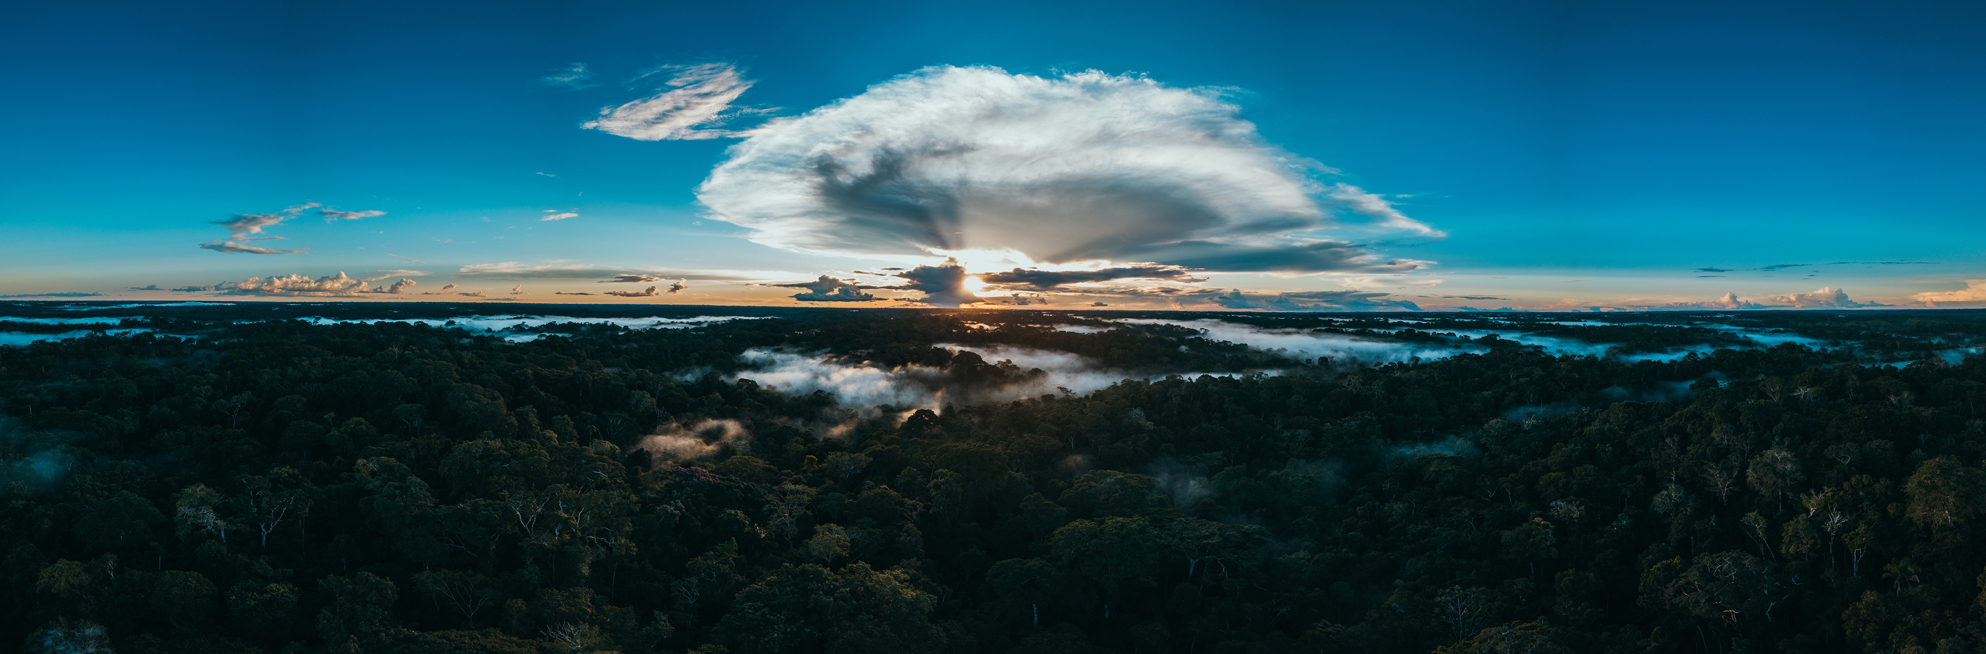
<point>231,482</point>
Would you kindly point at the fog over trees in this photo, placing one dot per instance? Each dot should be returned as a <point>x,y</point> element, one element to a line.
<point>448,478</point>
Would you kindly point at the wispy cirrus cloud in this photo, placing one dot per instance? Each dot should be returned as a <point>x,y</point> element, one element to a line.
<point>333,215</point>
<point>694,103</point>
<point>572,76</point>
<point>1083,167</point>
<point>245,228</point>
<point>631,279</point>
<point>554,214</point>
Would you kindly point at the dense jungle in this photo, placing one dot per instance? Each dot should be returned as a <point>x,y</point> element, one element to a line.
<point>295,478</point>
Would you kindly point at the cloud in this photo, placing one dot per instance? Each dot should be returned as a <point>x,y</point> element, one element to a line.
<point>244,227</point>
<point>1375,206</point>
<point>1475,297</point>
<point>565,293</point>
<point>1974,291</point>
<point>675,442</point>
<point>1825,298</point>
<point>332,216</point>
<point>678,286</point>
<point>1309,301</point>
<point>1783,266</point>
<point>444,290</point>
<point>69,294</point>
<point>383,274</point>
<point>557,215</point>
<point>1083,167</point>
<point>398,288</point>
<point>293,284</point>
<point>1098,304</point>
<point>649,292</point>
<point>1714,270</point>
<point>558,270</point>
<point>632,279</point>
<point>942,286</point>
<point>151,287</point>
<point>409,259</point>
<point>474,293</point>
<point>694,103</point>
<point>1048,279</point>
<point>519,290</point>
<point>573,76</point>
<point>829,289</point>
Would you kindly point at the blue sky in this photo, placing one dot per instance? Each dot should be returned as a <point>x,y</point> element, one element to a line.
<point>1546,155</point>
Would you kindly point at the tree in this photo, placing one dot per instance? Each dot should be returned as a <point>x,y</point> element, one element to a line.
<point>466,592</point>
<point>184,597</point>
<point>116,519</point>
<point>1943,493</point>
<point>198,510</point>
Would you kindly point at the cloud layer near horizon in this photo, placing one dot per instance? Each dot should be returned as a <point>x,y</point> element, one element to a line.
<point>1084,167</point>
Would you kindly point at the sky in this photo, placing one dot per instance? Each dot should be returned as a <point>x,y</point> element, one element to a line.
<point>1300,156</point>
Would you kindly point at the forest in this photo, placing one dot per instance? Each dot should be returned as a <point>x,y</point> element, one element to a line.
<point>414,478</point>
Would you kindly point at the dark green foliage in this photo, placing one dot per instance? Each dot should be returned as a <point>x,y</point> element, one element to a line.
<point>286,487</point>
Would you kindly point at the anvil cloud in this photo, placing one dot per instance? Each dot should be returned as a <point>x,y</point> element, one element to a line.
<point>1084,167</point>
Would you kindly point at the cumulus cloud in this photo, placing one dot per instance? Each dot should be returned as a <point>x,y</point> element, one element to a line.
<point>244,228</point>
<point>1974,291</point>
<point>693,103</point>
<point>554,214</point>
<point>444,290</point>
<point>474,293</point>
<point>942,286</point>
<point>678,286</point>
<point>519,290</point>
<point>829,289</point>
<point>1083,167</point>
<point>332,215</point>
<point>398,288</point>
<point>649,292</point>
<point>294,284</point>
<point>573,76</point>
<point>1049,279</point>
<point>1825,298</point>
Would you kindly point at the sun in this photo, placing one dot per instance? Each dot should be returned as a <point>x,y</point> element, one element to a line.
<point>974,285</point>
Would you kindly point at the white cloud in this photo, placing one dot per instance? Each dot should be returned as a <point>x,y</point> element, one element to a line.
<point>247,227</point>
<point>695,103</point>
<point>1974,291</point>
<point>1825,298</point>
<point>1084,167</point>
<point>386,274</point>
<point>555,214</point>
<point>573,76</point>
<point>332,215</point>
<point>294,284</point>
<point>1376,207</point>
